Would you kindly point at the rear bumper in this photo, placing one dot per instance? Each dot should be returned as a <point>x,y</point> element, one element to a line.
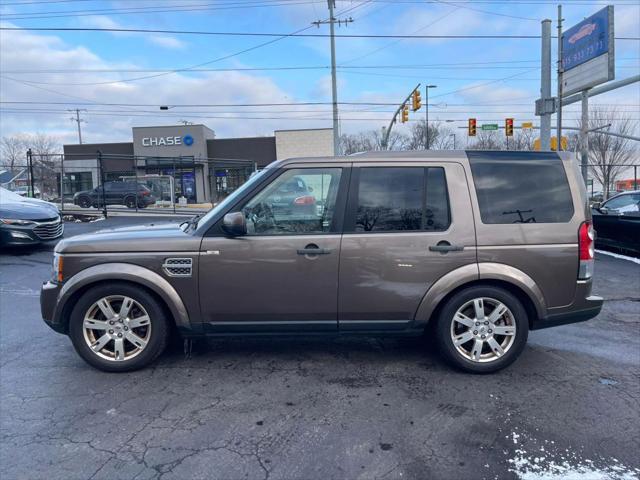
<point>590,308</point>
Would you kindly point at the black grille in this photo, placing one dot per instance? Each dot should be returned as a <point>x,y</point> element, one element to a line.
<point>49,230</point>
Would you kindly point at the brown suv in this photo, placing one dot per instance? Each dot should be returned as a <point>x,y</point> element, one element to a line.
<point>474,248</point>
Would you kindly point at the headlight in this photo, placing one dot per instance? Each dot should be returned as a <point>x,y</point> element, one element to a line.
<point>56,274</point>
<point>13,221</point>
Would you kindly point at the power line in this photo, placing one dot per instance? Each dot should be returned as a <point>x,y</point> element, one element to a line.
<point>275,68</point>
<point>149,9</point>
<point>294,34</point>
<point>306,118</point>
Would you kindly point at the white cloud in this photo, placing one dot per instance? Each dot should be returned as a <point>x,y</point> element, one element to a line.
<point>103,21</point>
<point>26,51</point>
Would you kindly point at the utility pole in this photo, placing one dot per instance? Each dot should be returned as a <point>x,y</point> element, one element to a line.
<point>546,102</point>
<point>426,104</point>
<point>78,120</point>
<point>31,179</point>
<point>584,136</point>
<point>559,81</point>
<point>334,83</point>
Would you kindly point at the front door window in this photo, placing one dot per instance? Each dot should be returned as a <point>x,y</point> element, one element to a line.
<point>299,201</point>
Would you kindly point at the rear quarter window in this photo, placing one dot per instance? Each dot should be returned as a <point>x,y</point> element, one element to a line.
<point>521,188</point>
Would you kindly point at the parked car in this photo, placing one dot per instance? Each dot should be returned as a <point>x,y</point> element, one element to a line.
<point>473,248</point>
<point>617,222</point>
<point>128,193</point>
<point>27,221</point>
<point>24,191</point>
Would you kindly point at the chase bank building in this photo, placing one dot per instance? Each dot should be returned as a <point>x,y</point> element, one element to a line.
<point>203,168</point>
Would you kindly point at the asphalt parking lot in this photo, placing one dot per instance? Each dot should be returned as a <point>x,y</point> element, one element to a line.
<point>317,408</point>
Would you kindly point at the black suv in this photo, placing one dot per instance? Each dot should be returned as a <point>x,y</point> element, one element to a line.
<point>128,193</point>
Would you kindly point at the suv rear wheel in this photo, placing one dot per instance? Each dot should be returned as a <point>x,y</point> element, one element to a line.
<point>84,202</point>
<point>482,329</point>
<point>130,202</point>
<point>118,327</point>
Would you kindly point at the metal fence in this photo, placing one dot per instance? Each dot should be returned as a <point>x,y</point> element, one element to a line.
<point>106,182</point>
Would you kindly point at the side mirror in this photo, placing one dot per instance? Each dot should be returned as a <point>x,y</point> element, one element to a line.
<point>234,224</point>
<point>596,205</point>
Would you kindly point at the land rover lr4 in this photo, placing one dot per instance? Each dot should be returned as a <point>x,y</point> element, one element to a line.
<point>472,248</point>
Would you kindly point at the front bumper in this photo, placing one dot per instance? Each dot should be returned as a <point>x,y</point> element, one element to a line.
<point>16,235</point>
<point>48,306</point>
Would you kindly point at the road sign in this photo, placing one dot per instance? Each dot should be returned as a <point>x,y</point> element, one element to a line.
<point>588,52</point>
<point>527,125</point>
<point>489,126</point>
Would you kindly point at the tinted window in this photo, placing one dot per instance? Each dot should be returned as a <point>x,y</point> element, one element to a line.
<point>401,199</point>
<point>526,189</point>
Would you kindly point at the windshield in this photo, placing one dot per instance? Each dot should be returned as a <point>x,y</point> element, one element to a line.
<point>232,198</point>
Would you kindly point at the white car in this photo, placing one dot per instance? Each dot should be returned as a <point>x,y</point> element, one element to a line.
<point>7,196</point>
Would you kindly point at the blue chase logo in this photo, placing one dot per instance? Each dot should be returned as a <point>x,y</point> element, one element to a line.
<point>187,140</point>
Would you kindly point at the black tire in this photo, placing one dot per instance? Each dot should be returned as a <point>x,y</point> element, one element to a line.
<point>84,202</point>
<point>158,337</point>
<point>444,325</point>
<point>130,202</point>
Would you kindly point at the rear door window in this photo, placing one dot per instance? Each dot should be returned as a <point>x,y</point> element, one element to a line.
<point>523,188</point>
<point>396,199</point>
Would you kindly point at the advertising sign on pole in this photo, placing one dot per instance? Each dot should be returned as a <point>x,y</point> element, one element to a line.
<point>588,52</point>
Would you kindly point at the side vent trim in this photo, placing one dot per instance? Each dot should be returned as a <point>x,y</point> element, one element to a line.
<point>178,267</point>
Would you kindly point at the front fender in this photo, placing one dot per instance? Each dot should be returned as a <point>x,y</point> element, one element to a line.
<point>124,272</point>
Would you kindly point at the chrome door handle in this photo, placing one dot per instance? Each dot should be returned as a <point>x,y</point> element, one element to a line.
<point>445,247</point>
<point>313,249</point>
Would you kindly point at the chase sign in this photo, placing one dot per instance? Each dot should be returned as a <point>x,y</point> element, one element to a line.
<point>167,141</point>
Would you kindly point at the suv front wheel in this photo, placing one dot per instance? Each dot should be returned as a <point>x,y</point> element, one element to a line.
<point>118,327</point>
<point>482,329</point>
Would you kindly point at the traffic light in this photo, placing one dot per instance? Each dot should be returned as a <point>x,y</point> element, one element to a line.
<point>472,127</point>
<point>508,127</point>
<point>417,100</point>
<point>405,114</point>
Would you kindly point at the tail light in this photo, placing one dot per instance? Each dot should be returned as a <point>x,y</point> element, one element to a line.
<point>145,193</point>
<point>305,200</point>
<point>586,247</point>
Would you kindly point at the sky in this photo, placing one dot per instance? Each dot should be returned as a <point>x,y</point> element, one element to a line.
<point>488,79</point>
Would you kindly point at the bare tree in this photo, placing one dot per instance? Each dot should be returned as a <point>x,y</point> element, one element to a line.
<point>609,155</point>
<point>371,141</point>
<point>46,157</point>
<point>440,136</point>
<point>486,140</point>
<point>13,151</point>
<point>521,140</point>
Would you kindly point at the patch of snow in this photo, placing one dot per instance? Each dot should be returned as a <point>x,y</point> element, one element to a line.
<point>565,464</point>
<point>99,219</point>
<point>621,257</point>
<point>111,411</point>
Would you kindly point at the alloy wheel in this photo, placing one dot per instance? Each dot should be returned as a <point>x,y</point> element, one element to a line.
<point>116,328</point>
<point>483,330</point>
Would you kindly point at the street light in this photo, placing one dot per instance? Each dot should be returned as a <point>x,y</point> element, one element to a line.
<point>426,101</point>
